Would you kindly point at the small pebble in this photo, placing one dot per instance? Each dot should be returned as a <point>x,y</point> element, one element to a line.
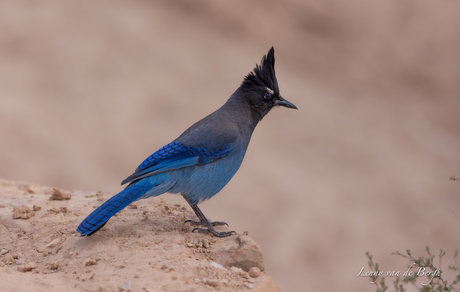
<point>166,208</point>
<point>29,267</point>
<point>53,243</point>
<point>133,206</point>
<point>125,286</point>
<point>3,251</point>
<point>197,281</point>
<point>249,285</point>
<point>213,283</point>
<point>254,272</point>
<point>216,265</point>
<point>205,243</point>
<point>90,262</point>
<point>36,208</point>
<point>164,267</point>
<point>20,262</point>
<point>9,259</point>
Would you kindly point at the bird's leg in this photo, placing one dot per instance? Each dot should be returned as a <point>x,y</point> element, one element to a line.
<point>204,222</point>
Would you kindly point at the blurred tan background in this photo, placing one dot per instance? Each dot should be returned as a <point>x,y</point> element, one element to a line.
<point>90,89</point>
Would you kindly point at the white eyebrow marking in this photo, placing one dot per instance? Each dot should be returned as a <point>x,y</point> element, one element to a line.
<point>270,91</point>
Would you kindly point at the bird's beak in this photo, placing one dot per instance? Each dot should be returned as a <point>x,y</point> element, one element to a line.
<point>285,103</point>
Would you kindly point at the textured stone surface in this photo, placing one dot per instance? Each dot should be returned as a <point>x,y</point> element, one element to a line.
<point>144,247</point>
<point>22,212</point>
<point>241,252</point>
<point>60,195</point>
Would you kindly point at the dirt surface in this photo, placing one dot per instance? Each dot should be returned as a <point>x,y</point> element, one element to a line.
<point>145,247</point>
<point>89,89</point>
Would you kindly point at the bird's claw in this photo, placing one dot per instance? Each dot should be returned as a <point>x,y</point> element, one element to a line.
<point>213,232</point>
<point>199,223</point>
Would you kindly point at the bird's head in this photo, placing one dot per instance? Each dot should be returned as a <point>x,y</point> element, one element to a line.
<point>262,87</point>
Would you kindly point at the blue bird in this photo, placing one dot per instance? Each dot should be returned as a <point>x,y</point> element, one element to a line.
<point>201,161</point>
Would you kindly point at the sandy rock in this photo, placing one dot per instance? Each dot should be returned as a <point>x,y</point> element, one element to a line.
<point>90,262</point>
<point>254,272</point>
<point>3,251</point>
<point>268,284</point>
<point>62,210</point>
<point>53,243</point>
<point>8,259</point>
<point>20,262</point>
<point>22,212</point>
<point>213,283</point>
<point>239,272</point>
<point>28,267</point>
<point>205,243</point>
<point>125,286</point>
<point>60,195</point>
<point>242,252</point>
<point>216,265</point>
<point>36,208</point>
<point>49,246</point>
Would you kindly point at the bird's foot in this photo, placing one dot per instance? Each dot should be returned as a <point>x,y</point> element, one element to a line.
<point>205,223</point>
<point>199,223</point>
<point>213,232</point>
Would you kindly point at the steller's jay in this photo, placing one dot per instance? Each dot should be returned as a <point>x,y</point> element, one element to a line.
<point>201,161</point>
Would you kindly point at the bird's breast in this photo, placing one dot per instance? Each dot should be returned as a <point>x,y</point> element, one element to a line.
<point>201,182</point>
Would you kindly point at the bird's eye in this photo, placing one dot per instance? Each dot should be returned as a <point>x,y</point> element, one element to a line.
<point>268,95</point>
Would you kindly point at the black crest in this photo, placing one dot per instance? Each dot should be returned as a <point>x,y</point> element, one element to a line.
<point>264,73</point>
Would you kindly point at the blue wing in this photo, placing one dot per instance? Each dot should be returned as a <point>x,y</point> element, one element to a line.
<point>175,155</point>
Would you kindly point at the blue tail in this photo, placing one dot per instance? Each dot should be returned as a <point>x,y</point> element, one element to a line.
<point>101,215</point>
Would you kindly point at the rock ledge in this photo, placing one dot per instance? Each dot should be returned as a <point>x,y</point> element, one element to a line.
<point>145,247</point>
